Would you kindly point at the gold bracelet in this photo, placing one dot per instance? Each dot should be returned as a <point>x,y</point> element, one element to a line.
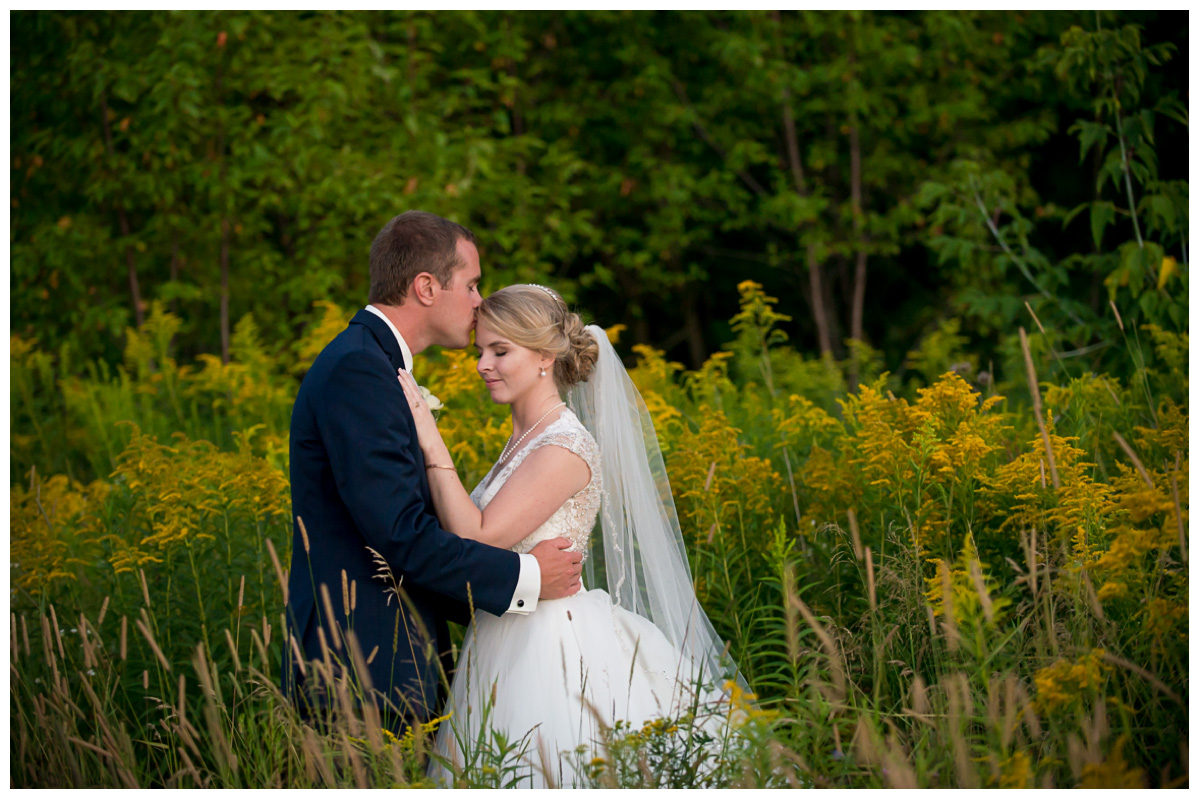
<point>441,466</point>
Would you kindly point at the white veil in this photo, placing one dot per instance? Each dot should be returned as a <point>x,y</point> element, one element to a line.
<point>643,558</point>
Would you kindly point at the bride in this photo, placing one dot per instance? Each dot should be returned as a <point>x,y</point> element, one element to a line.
<point>641,650</point>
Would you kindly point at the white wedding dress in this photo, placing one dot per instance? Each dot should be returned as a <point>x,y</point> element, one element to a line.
<point>573,666</point>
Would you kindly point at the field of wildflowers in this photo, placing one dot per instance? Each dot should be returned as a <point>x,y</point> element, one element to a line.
<point>937,583</point>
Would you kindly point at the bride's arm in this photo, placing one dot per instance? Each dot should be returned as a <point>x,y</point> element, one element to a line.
<point>546,479</point>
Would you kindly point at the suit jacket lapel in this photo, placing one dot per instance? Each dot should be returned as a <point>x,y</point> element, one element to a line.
<point>383,334</point>
<point>387,341</point>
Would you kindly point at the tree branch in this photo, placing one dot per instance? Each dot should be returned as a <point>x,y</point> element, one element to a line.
<point>746,177</point>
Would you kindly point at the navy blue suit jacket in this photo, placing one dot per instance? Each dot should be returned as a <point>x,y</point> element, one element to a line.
<point>358,481</point>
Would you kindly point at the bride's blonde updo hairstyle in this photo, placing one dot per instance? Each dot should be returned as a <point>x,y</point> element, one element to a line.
<point>537,318</point>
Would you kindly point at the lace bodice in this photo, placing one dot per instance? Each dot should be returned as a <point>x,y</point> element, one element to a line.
<point>575,518</point>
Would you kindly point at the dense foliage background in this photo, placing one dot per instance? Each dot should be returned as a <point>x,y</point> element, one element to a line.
<point>907,294</point>
<point>643,163</point>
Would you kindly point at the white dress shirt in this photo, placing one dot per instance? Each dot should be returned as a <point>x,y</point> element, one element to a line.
<point>529,580</point>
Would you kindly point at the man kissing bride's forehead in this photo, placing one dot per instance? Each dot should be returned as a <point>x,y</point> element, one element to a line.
<point>425,274</point>
<point>549,657</point>
<point>361,496</point>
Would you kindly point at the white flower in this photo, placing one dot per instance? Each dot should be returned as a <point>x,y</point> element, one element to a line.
<point>430,399</point>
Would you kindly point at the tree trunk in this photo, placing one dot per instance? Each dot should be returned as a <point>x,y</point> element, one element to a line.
<point>695,331</point>
<point>815,283</point>
<point>224,256</point>
<point>639,328</point>
<point>123,219</point>
<point>832,298</point>
<point>856,310</point>
<point>820,315</point>
<point>225,290</point>
<point>860,294</point>
<point>134,290</point>
<point>856,207</point>
<point>817,290</point>
<point>174,267</point>
<point>860,261</point>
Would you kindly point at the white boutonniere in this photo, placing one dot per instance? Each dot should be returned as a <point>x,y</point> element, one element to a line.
<point>430,399</point>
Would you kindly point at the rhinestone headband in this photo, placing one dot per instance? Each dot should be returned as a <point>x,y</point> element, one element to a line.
<point>544,289</point>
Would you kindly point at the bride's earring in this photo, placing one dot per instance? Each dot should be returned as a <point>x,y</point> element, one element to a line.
<point>543,372</point>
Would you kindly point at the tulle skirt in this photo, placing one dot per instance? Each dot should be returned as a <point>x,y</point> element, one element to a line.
<point>553,678</point>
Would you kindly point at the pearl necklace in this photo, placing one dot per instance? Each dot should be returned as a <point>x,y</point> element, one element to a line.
<point>517,444</point>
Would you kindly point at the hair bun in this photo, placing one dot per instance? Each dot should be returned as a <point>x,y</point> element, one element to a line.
<point>577,363</point>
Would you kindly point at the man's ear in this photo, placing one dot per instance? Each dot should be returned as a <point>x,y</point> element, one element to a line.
<point>423,288</point>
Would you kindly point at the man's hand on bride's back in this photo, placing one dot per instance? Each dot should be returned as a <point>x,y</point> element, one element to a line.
<point>560,568</point>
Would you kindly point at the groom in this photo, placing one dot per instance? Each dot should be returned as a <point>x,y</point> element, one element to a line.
<point>361,498</point>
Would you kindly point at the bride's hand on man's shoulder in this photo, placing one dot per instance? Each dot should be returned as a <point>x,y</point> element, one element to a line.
<point>422,415</point>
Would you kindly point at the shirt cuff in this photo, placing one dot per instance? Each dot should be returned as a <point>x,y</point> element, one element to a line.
<point>529,586</point>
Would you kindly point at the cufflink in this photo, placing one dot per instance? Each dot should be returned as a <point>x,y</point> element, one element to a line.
<point>520,604</point>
